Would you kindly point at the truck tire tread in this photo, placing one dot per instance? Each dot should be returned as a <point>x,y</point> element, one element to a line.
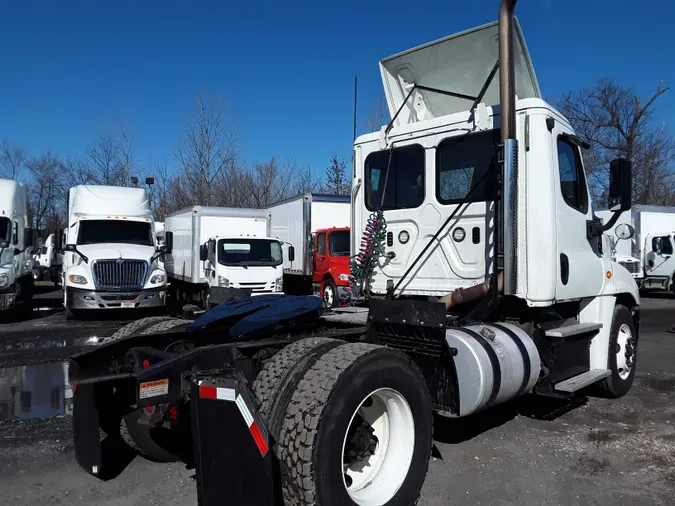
<point>298,435</point>
<point>147,448</point>
<point>163,325</point>
<point>136,326</point>
<point>278,378</point>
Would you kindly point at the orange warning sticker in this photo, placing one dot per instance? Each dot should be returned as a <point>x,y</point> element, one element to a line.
<point>153,388</point>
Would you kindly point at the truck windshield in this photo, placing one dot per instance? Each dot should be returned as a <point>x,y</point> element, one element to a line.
<point>5,229</point>
<point>339,243</point>
<point>113,231</point>
<point>249,252</point>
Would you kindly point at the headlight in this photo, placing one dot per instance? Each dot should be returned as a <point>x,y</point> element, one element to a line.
<point>77,279</point>
<point>224,282</point>
<point>4,280</point>
<point>279,284</point>
<point>343,277</point>
<point>157,278</point>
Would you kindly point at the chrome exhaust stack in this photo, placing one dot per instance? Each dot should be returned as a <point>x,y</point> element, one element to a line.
<point>508,203</point>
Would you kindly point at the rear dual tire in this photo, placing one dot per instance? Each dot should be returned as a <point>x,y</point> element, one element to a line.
<point>359,412</point>
<point>134,429</point>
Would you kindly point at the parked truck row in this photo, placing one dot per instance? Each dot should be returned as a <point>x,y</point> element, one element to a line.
<point>480,261</point>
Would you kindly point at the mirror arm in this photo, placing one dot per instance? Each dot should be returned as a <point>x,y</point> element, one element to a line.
<point>611,221</point>
<point>595,228</point>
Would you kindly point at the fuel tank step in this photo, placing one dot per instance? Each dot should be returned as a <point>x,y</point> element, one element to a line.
<point>576,383</point>
<point>572,329</point>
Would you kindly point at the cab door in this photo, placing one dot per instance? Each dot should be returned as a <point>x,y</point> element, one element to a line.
<point>320,263</point>
<point>660,260</point>
<point>580,269</point>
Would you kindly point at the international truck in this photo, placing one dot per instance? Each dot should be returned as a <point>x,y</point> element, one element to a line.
<point>110,259</point>
<point>648,252</point>
<point>492,288</point>
<point>16,241</point>
<point>219,252</point>
<point>317,226</point>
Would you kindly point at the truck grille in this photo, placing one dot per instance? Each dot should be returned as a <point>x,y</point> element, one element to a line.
<point>129,274</point>
<point>632,267</point>
<point>256,287</point>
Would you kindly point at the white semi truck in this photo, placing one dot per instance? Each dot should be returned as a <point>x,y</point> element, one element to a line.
<point>16,240</point>
<point>648,254</point>
<point>491,287</point>
<point>111,258</point>
<point>216,251</point>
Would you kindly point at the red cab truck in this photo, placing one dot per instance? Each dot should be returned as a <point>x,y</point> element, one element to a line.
<point>317,226</point>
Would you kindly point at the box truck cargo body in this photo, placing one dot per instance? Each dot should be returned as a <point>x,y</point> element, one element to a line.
<point>220,250</point>
<point>651,246</point>
<point>317,226</point>
<point>16,240</point>
<point>111,257</point>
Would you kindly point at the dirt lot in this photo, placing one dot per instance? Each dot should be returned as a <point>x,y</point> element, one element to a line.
<point>602,452</point>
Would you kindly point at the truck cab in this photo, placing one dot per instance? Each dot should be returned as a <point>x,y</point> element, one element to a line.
<point>16,241</point>
<point>331,263</point>
<point>244,263</point>
<point>111,257</point>
<point>659,261</point>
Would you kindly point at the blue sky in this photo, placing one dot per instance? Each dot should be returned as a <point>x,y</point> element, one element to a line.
<point>69,70</point>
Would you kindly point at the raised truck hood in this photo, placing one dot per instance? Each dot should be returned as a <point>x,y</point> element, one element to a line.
<point>460,63</point>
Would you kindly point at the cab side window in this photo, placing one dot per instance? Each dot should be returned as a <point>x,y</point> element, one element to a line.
<point>572,177</point>
<point>321,243</point>
<point>665,244</point>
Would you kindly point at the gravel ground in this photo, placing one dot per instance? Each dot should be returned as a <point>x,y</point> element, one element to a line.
<point>603,452</point>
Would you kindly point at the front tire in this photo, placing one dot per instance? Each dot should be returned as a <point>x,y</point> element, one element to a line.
<point>329,293</point>
<point>622,355</point>
<point>362,414</point>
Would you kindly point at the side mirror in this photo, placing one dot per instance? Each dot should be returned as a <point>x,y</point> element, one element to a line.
<point>58,240</point>
<point>620,185</point>
<point>168,240</point>
<point>4,244</point>
<point>624,231</point>
<point>163,250</point>
<point>29,237</point>
<point>70,247</point>
<point>203,252</point>
<point>291,253</point>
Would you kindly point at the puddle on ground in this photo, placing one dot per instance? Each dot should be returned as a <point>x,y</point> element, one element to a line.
<point>35,391</point>
<point>33,344</point>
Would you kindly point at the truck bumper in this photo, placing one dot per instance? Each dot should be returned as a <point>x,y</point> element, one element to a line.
<point>89,299</point>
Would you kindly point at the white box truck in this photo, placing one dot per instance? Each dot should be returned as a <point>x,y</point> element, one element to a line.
<point>111,257</point>
<point>317,226</point>
<point>16,240</point>
<point>220,252</point>
<point>651,248</point>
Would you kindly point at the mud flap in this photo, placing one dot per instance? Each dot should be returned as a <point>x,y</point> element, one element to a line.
<point>86,432</point>
<point>232,448</point>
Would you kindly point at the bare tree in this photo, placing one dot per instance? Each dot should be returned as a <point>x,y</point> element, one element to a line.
<point>337,180</point>
<point>104,161</point>
<point>161,191</point>
<point>11,161</point>
<point>207,149</point>
<point>272,181</point>
<point>45,188</point>
<point>618,123</point>
<point>125,156</point>
<point>307,181</point>
<point>377,116</point>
